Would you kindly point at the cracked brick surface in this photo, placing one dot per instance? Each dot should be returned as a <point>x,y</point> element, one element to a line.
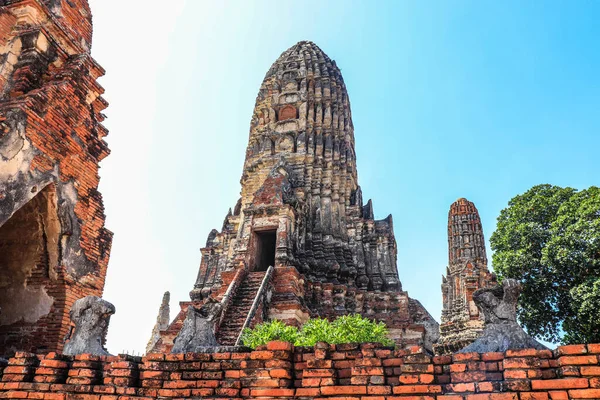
<point>54,248</point>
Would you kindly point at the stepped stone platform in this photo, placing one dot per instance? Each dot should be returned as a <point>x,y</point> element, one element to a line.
<point>280,371</point>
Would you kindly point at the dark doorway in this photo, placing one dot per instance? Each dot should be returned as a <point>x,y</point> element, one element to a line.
<point>29,255</point>
<point>265,250</point>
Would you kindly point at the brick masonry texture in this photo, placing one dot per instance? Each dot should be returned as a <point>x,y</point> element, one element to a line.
<point>54,248</point>
<point>280,371</point>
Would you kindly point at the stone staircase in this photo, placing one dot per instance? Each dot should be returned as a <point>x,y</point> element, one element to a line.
<point>238,310</point>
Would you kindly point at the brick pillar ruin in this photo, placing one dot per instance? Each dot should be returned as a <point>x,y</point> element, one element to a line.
<point>466,272</point>
<point>54,248</point>
<point>301,211</point>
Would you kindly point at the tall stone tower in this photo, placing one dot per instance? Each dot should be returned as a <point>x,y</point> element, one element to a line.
<point>300,242</point>
<point>467,271</point>
<point>54,248</point>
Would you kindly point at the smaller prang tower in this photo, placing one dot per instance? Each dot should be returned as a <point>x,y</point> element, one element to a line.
<point>466,272</point>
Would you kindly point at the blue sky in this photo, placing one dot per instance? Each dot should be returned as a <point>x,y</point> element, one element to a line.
<point>475,99</point>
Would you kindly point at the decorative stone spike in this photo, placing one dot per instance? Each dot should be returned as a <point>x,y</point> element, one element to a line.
<point>162,321</point>
<point>90,317</point>
<point>502,332</point>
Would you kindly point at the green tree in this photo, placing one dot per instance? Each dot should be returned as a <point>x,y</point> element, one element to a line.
<point>549,239</point>
<point>585,327</point>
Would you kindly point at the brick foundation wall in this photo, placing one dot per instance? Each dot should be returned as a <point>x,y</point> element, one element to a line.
<point>278,370</point>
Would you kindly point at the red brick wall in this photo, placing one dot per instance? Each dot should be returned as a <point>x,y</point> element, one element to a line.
<point>52,85</point>
<point>64,152</point>
<point>338,372</point>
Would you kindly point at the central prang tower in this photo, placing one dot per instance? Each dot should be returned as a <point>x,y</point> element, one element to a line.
<point>300,185</point>
<point>300,242</point>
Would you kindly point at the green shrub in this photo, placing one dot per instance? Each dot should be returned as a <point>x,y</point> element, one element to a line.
<point>316,330</point>
<point>356,329</point>
<point>346,329</point>
<point>267,332</point>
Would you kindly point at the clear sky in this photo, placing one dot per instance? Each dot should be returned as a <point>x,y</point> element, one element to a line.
<point>475,99</point>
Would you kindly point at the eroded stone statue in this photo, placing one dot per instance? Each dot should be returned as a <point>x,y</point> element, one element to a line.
<point>90,316</point>
<point>198,330</point>
<point>502,332</point>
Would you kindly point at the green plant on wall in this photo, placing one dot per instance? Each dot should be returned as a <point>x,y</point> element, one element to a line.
<point>267,332</point>
<point>345,329</point>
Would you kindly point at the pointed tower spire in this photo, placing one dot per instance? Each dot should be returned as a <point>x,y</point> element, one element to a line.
<point>465,235</point>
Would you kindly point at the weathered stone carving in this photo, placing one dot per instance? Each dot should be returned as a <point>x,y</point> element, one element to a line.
<point>501,332</point>
<point>90,316</point>
<point>198,329</point>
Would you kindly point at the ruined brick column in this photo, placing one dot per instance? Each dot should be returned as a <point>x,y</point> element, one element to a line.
<point>54,247</point>
<point>466,272</point>
<point>301,211</point>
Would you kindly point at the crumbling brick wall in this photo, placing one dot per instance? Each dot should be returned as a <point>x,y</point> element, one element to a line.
<point>51,143</point>
<point>280,371</point>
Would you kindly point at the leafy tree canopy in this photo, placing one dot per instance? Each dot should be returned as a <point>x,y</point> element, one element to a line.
<point>549,239</point>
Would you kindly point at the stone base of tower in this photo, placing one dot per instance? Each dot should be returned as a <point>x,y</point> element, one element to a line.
<point>293,299</point>
<point>408,321</point>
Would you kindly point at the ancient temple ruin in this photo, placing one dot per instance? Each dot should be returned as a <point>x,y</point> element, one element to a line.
<point>54,248</point>
<point>467,272</point>
<point>300,242</point>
